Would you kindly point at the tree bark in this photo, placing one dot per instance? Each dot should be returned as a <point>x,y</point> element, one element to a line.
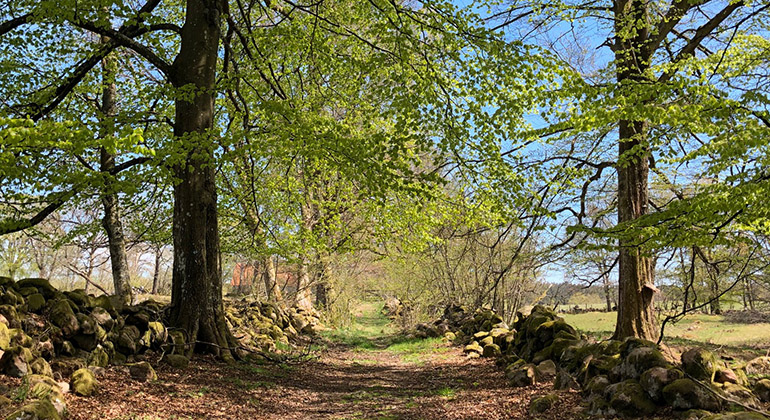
<point>270,278</point>
<point>636,316</point>
<point>607,295</point>
<point>111,222</point>
<point>303,298</point>
<point>156,272</point>
<point>196,297</point>
<point>322,286</point>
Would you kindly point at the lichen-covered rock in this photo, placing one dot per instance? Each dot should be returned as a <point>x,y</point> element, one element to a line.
<point>745,415</point>
<point>762,390</point>
<point>597,385</point>
<point>36,410</point>
<point>105,303</point>
<point>142,372</point>
<point>102,317</point>
<point>564,381</point>
<point>628,398</point>
<point>128,339</point>
<point>738,393</point>
<point>693,414</point>
<point>79,297</point>
<point>759,367</point>
<point>639,360</point>
<point>473,347</point>
<point>35,302</point>
<point>5,337</point>
<point>83,383</point>
<point>546,369</point>
<point>521,376</point>
<point>486,341</point>
<point>64,317</point>
<point>655,379</point>
<point>176,361</point>
<point>43,285</point>
<point>40,366</point>
<point>700,363</point>
<point>99,357</point>
<point>11,315</point>
<point>726,375</point>
<point>685,394</point>
<point>15,361</point>
<point>66,366</point>
<point>542,404</point>
<point>491,350</point>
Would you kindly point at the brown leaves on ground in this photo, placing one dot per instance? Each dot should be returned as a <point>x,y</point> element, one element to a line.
<point>341,384</point>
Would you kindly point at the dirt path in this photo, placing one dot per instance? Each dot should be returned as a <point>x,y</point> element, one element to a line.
<point>364,377</point>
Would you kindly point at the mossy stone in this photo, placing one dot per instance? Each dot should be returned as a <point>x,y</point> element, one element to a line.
<point>142,372</point>
<point>5,337</point>
<point>11,315</point>
<point>43,285</point>
<point>685,394</point>
<point>40,366</point>
<point>700,363</point>
<point>176,361</point>
<point>639,360</point>
<point>491,350</point>
<point>762,390</point>
<point>543,404</point>
<point>35,302</point>
<point>473,347</point>
<point>745,415</point>
<point>64,317</point>
<point>27,291</point>
<point>98,357</point>
<point>83,382</point>
<point>37,410</point>
<point>486,341</point>
<point>629,398</point>
<point>655,379</point>
<point>159,333</point>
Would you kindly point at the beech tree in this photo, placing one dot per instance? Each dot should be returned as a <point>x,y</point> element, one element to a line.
<point>421,68</point>
<point>654,82</point>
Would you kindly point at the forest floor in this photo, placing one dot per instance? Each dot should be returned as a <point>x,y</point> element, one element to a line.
<point>365,372</point>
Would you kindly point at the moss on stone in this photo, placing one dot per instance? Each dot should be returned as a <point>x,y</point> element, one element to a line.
<point>35,302</point>
<point>83,382</point>
<point>543,404</point>
<point>36,410</point>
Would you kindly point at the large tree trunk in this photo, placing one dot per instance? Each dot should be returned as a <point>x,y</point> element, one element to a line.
<point>303,297</point>
<point>269,276</point>
<point>196,295</point>
<point>636,316</point>
<point>111,220</point>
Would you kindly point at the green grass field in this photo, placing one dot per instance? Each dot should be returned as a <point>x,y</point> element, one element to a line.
<point>710,330</point>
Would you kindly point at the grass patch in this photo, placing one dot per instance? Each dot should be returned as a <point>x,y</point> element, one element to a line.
<point>415,350</point>
<point>696,329</point>
<point>446,392</point>
<point>369,330</point>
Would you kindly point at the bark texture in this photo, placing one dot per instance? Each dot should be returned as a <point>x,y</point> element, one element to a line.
<point>196,296</point>
<point>636,316</point>
<point>111,222</point>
